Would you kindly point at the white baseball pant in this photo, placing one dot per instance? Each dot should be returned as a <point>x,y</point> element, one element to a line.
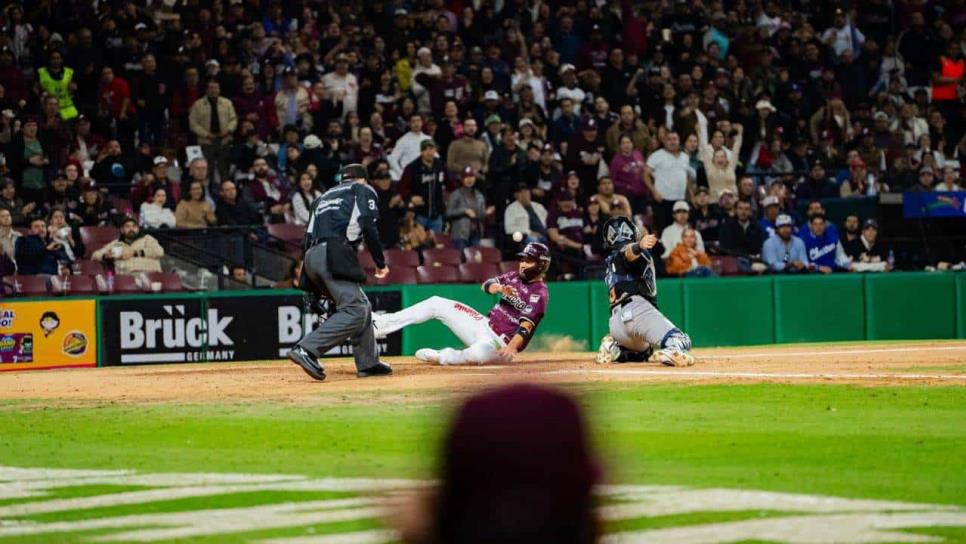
<point>470,326</point>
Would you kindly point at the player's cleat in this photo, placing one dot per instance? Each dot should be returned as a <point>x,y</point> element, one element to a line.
<point>672,357</point>
<point>380,369</point>
<point>609,351</point>
<point>427,355</point>
<point>375,329</point>
<point>308,362</point>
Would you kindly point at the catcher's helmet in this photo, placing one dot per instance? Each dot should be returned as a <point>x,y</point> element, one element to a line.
<point>538,252</point>
<point>619,231</point>
<point>352,171</point>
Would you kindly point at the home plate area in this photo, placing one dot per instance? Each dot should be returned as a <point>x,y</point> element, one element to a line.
<point>125,506</point>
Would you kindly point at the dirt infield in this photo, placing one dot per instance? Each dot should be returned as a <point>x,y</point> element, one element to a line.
<point>901,363</point>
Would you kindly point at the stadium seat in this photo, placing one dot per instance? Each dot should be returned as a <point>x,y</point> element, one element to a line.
<point>398,275</point>
<point>95,238</point>
<point>726,265</point>
<point>471,272</point>
<point>442,240</point>
<point>90,268</point>
<point>28,286</point>
<point>288,232</point>
<point>401,258</point>
<point>445,256</point>
<point>77,285</point>
<point>438,274</point>
<point>127,285</point>
<point>482,255</point>
<point>170,281</point>
<point>509,266</point>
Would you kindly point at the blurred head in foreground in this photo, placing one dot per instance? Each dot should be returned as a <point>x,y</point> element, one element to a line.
<point>516,467</point>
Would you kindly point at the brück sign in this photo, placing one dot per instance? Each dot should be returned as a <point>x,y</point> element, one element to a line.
<point>238,328</point>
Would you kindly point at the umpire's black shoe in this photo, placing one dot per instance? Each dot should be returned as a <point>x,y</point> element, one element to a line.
<point>308,362</point>
<point>381,369</point>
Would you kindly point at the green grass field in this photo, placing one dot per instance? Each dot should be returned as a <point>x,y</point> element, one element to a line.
<point>904,444</point>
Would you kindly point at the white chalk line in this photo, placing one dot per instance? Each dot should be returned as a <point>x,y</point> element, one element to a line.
<point>776,375</point>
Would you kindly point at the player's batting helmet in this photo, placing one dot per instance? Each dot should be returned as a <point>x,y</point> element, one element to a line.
<point>619,231</point>
<point>537,252</point>
<point>352,171</point>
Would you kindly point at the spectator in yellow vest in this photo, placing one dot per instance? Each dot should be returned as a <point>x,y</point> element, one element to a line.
<point>58,80</point>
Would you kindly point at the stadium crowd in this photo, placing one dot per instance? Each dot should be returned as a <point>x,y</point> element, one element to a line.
<point>508,120</point>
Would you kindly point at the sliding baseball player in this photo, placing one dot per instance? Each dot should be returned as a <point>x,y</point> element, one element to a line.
<point>494,338</point>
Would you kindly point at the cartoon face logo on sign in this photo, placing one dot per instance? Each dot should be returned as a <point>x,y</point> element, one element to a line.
<point>75,344</point>
<point>49,323</point>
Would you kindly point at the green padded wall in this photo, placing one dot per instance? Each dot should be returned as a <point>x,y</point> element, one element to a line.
<point>827,307</point>
<point>729,311</point>
<point>910,306</point>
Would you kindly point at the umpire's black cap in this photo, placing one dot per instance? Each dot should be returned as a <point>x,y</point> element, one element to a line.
<point>353,171</point>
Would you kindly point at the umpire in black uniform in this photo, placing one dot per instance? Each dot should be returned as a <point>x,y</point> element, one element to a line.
<point>338,222</point>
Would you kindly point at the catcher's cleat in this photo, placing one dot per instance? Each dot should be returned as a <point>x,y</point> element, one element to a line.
<point>379,369</point>
<point>672,357</point>
<point>308,362</point>
<point>609,351</point>
<point>427,355</point>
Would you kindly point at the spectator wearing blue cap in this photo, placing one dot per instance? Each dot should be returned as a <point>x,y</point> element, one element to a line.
<point>785,252</point>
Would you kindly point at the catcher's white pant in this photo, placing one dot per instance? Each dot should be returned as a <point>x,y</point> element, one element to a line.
<point>470,326</point>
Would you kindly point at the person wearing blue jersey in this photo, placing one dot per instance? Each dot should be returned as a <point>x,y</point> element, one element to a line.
<point>825,251</point>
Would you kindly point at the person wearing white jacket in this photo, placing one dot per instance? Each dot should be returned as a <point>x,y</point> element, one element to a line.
<point>154,215</point>
<point>406,148</point>
<point>526,217</point>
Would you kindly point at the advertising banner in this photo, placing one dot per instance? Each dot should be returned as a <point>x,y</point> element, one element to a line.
<point>235,328</point>
<point>941,204</point>
<point>281,322</point>
<point>47,334</point>
<point>157,330</point>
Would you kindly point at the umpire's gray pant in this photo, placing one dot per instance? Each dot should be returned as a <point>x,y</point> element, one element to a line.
<point>637,324</point>
<point>352,319</point>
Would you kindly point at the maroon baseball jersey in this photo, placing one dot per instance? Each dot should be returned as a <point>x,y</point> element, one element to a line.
<point>569,224</point>
<point>529,304</point>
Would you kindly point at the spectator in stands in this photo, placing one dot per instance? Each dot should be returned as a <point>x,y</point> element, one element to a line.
<point>815,208</point>
<point>290,281</point>
<point>719,162</point>
<point>94,210</point>
<point>927,176</point>
<point>544,176</point>
<point>292,102</point>
<point>629,125</point>
<point>153,213</point>
<point>8,236</point>
<point>949,181</point>
<point>565,230</point>
<point>27,160</point>
<point>741,235</point>
<point>868,252</point>
<point>850,230</point>
<point>305,193</point>
<point>412,235</point>
<point>19,211</point>
<point>785,252</point>
<point>585,155</point>
<point>466,212</point>
<point>668,176</point>
<point>611,203</point>
<point>770,209</point>
<point>526,217</point>
<point>467,151</point>
<point>860,182</point>
<point>686,259</point>
<point>113,169</point>
<point>194,212</point>
<point>422,184</point>
<point>408,147</point>
<point>508,165</point>
<point>268,191</point>
<point>133,251</point>
<point>62,230</point>
<point>158,179</point>
<point>36,254</point>
<point>234,210</point>
<point>392,207</point>
<point>115,107</point>
<point>671,235</point>
<point>565,125</point>
<point>825,251</point>
<point>817,185</point>
<point>627,169</point>
<point>213,121</point>
<point>705,217</point>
